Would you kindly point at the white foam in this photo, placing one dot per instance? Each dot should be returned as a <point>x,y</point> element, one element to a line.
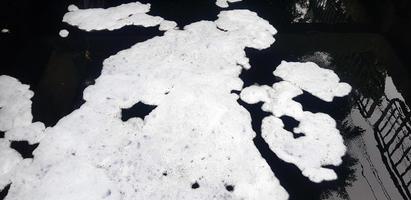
<point>247,29</point>
<point>15,104</point>
<point>113,18</point>
<point>277,99</point>
<point>224,3</point>
<point>5,30</point>
<point>322,83</point>
<point>16,122</point>
<point>63,33</point>
<point>255,93</point>
<point>197,133</point>
<point>166,25</point>
<point>72,7</point>
<point>9,160</point>
<point>321,144</point>
<point>32,133</point>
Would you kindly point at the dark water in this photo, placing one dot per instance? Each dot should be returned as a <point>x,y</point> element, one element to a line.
<point>58,69</point>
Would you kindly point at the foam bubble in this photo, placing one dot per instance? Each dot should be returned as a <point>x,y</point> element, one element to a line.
<point>63,33</point>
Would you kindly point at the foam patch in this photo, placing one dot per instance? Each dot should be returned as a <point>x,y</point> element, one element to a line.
<point>321,143</point>
<point>115,17</point>
<point>197,135</point>
<point>322,83</point>
<point>224,3</point>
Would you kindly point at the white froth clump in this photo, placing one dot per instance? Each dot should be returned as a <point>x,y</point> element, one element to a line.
<point>5,30</point>
<point>255,93</point>
<point>322,83</point>
<point>247,28</point>
<point>198,133</point>
<point>32,133</point>
<point>15,103</point>
<point>72,7</point>
<point>16,122</point>
<point>9,159</point>
<point>320,143</point>
<point>166,25</point>
<point>112,18</point>
<point>224,3</point>
<point>63,33</point>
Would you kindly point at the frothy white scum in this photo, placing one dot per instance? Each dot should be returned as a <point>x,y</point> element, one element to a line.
<point>16,122</point>
<point>72,7</point>
<point>322,83</point>
<point>10,158</point>
<point>320,143</point>
<point>5,30</point>
<point>224,3</point>
<point>198,133</point>
<point>63,33</point>
<point>15,104</point>
<point>114,17</point>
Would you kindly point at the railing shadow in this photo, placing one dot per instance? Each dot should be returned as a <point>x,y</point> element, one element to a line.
<point>392,131</point>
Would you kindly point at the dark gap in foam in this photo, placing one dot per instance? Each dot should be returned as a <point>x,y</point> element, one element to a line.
<point>24,148</point>
<point>289,125</point>
<point>263,64</point>
<point>230,188</point>
<point>195,185</point>
<point>235,92</point>
<point>137,110</point>
<point>4,192</point>
<point>337,109</point>
<point>184,12</point>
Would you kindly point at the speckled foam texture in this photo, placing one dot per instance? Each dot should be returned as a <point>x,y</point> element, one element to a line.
<point>320,143</point>
<point>198,133</point>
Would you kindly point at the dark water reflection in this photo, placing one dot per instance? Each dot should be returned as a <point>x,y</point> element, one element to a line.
<point>363,49</point>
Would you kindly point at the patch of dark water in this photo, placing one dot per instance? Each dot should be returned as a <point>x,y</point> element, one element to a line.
<point>289,125</point>
<point>74,64</point>
<point>4,191</point>
<point>137,110</point>
<point>263,63</point>
<point>24,148</point>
